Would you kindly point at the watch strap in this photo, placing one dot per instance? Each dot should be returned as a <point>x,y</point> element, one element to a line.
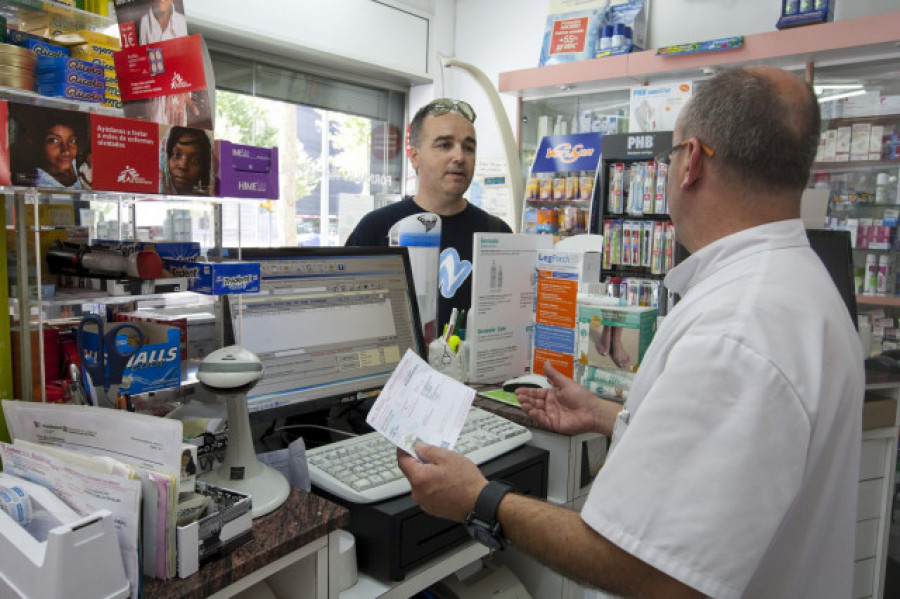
<point>489,501</point>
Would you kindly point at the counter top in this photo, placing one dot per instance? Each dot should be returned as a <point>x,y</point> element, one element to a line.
<point>302,519</point>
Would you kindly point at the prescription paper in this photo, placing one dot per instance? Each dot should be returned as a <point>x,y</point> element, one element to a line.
<point>418,402</point>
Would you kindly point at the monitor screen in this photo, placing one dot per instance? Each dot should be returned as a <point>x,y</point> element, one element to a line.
<point>329,324</point>
<point>834,248</point>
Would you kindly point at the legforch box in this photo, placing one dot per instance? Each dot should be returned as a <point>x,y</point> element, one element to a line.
<point>559,275</point>
<point>246,171</point>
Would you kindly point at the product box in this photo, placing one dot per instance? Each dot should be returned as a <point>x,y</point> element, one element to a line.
<point>197,328</point>
<point>859,141</point>
<point>613,337</point>
<point>226,523</point>
<point>157,365</point>
<point>174,250</point>
<point>217,278</point>
<point>41,47</point>
<point>842,147</point>
<point>876,137</point>
<point>246,171</point>
<point>559,276</point>
<point>78,93</point>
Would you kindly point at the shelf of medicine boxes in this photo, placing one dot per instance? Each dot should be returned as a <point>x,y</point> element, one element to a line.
<point>48,18</point>
<point>64,307</point>
<point>560,92</point>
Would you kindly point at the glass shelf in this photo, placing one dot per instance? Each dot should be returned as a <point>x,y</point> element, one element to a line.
<point>51,18</point>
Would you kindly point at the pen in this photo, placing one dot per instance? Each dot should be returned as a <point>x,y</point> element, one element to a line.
<point>460,321</point>
<point>451,325</point>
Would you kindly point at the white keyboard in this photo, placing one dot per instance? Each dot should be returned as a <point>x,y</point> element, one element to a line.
<point>364,469</point>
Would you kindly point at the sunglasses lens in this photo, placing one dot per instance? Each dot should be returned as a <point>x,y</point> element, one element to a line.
<point>443,106</point>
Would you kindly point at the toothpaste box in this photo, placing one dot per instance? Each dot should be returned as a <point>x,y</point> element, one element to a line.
<point>246,171</point>
<point>217,278</point>
<point>559,276</point>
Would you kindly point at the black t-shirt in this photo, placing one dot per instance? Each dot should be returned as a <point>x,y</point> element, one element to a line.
<point>454,277</point>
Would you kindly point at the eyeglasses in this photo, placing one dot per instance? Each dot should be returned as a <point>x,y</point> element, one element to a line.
<point>445,105</point>
<point>666,157</point>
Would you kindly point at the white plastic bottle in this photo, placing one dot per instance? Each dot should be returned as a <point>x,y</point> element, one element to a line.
<point>870,282</point>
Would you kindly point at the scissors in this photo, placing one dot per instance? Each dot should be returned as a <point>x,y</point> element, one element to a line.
<point>106,366</point>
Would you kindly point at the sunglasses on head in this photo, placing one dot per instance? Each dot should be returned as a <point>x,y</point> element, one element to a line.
<point>445,105</point>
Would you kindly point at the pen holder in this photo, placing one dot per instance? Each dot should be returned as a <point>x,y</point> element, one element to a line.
<point>445,360</point>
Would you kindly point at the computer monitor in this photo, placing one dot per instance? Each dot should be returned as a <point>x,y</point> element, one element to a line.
<point>834,248</point>
<point>329,325</point>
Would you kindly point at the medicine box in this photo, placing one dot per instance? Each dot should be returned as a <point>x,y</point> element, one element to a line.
<point>246,171</point>
<point>197,328</point>
<point>217,278</point>
<point>226,524</point>
<point>614,337</point>
<point>559,276</point>
<point>156,365</point>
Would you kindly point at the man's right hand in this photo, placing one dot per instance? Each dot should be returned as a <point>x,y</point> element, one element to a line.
<point>567,407</point>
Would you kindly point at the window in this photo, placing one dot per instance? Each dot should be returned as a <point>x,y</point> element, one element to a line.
<point>340,150</point>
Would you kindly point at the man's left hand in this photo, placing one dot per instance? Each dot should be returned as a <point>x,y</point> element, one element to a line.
<point>445,484</point>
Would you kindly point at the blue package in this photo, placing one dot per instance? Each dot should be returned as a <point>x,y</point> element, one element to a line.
<point>157,365</point>
<point>79,93</point>
<point>217,278</point>
<point>42,48</point>
<point>187,251</point>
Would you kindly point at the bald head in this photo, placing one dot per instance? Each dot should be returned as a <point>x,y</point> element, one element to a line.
<point>763,124</point>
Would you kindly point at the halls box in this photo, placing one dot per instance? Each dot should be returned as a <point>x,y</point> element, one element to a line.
<point>217,278</point>
<point>246,171</point>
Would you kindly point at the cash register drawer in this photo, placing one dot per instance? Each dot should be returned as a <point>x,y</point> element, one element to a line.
<point>395,536</point>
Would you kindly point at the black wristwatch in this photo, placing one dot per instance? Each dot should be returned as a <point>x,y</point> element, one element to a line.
<point>481,523</point>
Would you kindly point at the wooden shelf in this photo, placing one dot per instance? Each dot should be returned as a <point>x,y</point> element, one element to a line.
<point>878,300</point>
<point>825,44</point>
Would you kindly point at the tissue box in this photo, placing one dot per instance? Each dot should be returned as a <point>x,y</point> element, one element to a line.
<point>246,171</point>
<point>217,278</point>
<point>226,525</point>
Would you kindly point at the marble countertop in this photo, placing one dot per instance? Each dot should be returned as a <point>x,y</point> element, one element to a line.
<point>302,519</point>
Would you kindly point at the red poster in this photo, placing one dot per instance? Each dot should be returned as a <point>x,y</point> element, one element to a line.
<point>125,154</point>
<point>568,36</point>
<point>169,67</point>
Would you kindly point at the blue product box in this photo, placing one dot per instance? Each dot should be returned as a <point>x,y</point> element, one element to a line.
<point>188,251</point>
<point>42,48</point>
<point>217,278</point>
<point>65,65</point>
<point>157,365</point>
<point>79,93</point>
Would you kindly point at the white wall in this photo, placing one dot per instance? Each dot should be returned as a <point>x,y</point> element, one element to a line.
<point>408,37</point>
<point>389,34</point>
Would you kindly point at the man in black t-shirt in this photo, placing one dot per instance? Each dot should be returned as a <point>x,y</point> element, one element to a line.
<point>442,152</point>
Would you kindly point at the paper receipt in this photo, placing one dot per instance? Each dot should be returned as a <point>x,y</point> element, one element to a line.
<point>418,402</point>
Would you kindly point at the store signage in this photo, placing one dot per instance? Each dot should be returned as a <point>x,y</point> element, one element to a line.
<point>568,153</point>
